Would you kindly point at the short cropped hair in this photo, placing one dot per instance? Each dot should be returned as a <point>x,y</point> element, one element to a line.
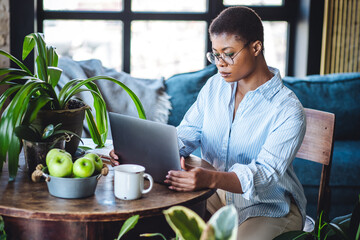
<point>241,21</point>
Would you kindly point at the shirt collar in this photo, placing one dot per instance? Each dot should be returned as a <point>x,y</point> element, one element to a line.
<point>268,89</point>
<point>271,87</point>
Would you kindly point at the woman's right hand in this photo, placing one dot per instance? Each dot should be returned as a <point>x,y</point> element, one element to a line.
<point>114,158</point>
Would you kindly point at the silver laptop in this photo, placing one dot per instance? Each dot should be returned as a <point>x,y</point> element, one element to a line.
<point>150,144</point>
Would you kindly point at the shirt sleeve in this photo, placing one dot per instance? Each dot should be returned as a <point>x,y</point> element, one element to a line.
<point>275,156</point>
<point>190,129</point>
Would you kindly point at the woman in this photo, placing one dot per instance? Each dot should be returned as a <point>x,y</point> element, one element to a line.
<point>249,127</point>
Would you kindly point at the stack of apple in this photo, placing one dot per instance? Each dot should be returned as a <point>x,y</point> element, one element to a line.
<point>60,164</point>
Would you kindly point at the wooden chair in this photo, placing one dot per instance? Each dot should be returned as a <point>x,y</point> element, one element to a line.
<point>317,146</point>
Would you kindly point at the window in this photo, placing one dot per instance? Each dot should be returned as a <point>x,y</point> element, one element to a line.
<point>157,38</point>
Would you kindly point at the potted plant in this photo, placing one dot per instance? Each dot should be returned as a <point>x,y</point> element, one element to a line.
<point>33,99</point>
<point>37,143</point>
<point>340,228</point>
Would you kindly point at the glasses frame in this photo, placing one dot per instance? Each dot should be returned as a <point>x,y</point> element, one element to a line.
<point>211,57</point>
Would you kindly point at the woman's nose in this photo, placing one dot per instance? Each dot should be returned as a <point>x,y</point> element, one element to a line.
<point>221,62</point>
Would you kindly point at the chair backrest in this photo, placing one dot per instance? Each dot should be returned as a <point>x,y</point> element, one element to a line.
<point>317,146</point>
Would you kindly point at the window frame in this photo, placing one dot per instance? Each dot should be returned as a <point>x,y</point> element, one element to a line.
<point>287,12</point>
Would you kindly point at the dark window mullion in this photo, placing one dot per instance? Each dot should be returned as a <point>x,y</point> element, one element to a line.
<point>40,16</point>
<point>169,16</point>
<point>127,18</point>
<point>273,13</point>
<point>291,6</point>
<point>81,15</point>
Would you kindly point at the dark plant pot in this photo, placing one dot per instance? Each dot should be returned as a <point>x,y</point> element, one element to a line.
<point>71,119</point>
<point>35,153</point>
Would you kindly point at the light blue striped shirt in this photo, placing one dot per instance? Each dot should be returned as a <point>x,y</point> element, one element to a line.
<point>259,145</point>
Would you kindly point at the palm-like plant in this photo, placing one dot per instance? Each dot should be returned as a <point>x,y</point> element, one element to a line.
<point>31,93</point>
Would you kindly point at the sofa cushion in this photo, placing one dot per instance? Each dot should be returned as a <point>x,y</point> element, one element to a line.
<point>345,167</point>
<point>336,93</point>
<point>184,89</point>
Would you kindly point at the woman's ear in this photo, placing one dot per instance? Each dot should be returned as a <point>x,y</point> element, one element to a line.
<point>256,47</point>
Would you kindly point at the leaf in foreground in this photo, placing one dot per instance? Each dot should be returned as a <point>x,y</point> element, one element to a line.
<point>128,225</point>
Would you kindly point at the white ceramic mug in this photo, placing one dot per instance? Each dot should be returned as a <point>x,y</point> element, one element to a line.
<point>129,181</point>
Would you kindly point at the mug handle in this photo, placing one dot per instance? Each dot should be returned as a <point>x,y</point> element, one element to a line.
<point>151,183</point>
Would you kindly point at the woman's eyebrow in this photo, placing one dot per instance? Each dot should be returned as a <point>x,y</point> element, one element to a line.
<point>223,48</point>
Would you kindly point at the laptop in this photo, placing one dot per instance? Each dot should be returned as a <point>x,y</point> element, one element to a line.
<point>151,144</point>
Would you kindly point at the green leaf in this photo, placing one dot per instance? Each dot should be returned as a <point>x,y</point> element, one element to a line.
<point>185,222</point>
<point>100,107</point>
<point>41,69</point>
<point>27,133</point>
<point>2,229</point>
<point>41,58</point>
<point>52,56</point>
<point>54,75</point>
<point>28,46</point>
<point>208,233</point>
<point>34,107</point>
<point>94,132</point>
<point>293,235</point>
<point>13,71</point>
<point>153,235</point>
<point>7,94</point>
<point>48,131</point>
<point>85,148</point>
<point>128,225</point>
<point>2,224</point>
<point>225,223</point>
<point>15,60</point>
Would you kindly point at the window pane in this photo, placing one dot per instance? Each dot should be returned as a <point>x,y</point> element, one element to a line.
<point>275,43</point>
<point>164,48</point>
<point>83,5</point>
<point>168,6</point>
<point>85,39</point>
<point>253,2</point>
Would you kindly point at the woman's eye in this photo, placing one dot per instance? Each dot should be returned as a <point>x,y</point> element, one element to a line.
<point>216,54</point>
<point>229,54</point>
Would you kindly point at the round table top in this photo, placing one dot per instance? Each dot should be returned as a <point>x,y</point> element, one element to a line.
<point>25,199</point>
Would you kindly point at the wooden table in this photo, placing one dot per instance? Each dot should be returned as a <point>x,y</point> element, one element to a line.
<point>30,212</point>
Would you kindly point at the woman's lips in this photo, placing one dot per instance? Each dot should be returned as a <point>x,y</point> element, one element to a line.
<point>225,74</point>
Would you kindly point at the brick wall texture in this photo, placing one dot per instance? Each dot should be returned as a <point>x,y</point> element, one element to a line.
<point>4,31</point>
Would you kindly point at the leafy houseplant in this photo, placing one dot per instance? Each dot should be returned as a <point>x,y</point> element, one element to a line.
<point>34,94</point>
<point>187,225</point>
<point>340,228</point>
<point>37,143</point>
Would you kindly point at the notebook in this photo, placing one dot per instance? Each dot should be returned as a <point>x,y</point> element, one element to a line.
<point>151,144</point>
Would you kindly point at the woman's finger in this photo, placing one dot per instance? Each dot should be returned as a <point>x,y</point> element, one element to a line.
<point>113,158</point>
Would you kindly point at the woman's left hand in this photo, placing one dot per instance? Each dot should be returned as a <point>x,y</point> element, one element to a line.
<point>189,180</point>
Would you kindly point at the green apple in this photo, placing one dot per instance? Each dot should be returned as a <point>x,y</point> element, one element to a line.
<point>83,167</point>
<point>97,161</point>
<point>54,152</point>
<point>60,165</point>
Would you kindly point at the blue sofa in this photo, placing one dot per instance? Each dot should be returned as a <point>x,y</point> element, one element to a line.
<point>336,93</point>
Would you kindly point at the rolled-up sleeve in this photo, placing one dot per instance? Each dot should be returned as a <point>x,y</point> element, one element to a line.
<point>190,129</point>
<point>277,153</point>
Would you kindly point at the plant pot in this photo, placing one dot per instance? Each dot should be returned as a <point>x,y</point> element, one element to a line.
<point>71,119</point>
<point>35,153</point>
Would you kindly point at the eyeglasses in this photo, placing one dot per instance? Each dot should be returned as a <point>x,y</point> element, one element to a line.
<point>228,58</point>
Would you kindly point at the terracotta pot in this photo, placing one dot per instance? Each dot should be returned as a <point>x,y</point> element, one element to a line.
<point>71,119</point>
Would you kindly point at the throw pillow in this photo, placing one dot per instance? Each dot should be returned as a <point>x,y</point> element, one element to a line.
<point>151,92</point>
<point>184,89</point>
